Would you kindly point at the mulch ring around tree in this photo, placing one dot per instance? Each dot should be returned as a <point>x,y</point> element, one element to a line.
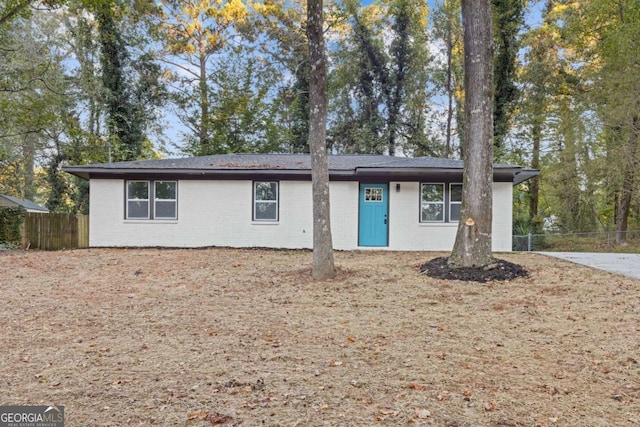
<point>499,270</point>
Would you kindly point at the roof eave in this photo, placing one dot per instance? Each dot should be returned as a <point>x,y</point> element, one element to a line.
<point>516,175</point>
<point>396,170</point>
<point>500,173</point>
<point>79,172</point>
<point>88,172</point>
<point>524,175</point>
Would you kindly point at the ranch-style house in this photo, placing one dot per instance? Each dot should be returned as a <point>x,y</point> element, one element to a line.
<point>265,200</point>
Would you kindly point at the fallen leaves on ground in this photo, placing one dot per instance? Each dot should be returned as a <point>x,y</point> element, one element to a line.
<point>245,337</point>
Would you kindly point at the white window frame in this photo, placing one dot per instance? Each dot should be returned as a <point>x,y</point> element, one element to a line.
<point>451,202</point>
<point>128,199</point>
<point>441,203</point>
<point>275,202</point>
<point>151,201</point>
<point>174,200</point>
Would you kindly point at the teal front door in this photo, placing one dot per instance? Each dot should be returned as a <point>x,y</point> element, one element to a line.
<point>374,215</point>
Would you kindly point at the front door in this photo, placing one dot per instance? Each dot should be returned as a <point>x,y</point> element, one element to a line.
<point>374,212</point>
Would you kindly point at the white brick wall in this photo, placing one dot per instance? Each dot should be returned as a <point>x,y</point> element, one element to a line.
<point>344,214</point>
<point>502,224</point>
<point>406,232</point>
<point>219,213</point>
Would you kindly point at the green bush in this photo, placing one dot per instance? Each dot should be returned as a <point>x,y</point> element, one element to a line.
<point>10,221</point>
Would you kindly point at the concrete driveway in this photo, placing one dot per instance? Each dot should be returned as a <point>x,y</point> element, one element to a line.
<point>625,264</point>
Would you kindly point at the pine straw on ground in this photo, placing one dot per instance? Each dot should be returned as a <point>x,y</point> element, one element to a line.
<point>244,337</point>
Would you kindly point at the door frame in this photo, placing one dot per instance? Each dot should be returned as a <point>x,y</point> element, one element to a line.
<point>385,200</point>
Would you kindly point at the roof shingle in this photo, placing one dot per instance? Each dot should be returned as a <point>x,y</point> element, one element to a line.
<point>294,163</point>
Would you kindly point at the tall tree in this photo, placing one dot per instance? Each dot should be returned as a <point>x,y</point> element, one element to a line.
<point>362,83</point>
<point>615,26</point>
<point>472,246</point>
<point>450,76</point>
<point>32,92</point>
<point>125,137</point>
<point>244,118</point>
<point>539,76</point>
<point>84,45</point>
<point>597,113</point>
<point>379,79</point>
<point>70,80</point>
<point>323,265</point>
<point>408,26</point>
<point>128,103</point>
<point>193,32</point>
<point>508,18</point>
<point>283,39</point>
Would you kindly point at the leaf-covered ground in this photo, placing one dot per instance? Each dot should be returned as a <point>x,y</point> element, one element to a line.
<point>244,337</point>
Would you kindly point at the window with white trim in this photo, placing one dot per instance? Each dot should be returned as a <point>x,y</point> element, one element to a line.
<point>455,201</point>
<point>432,203</point>
<point>137,200</point>
<point>265,201</point>
<point>165,200</point>
<point>440,202</point>
<point>151,199</point>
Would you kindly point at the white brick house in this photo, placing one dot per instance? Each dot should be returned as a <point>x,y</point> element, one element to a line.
<point>265,200</point>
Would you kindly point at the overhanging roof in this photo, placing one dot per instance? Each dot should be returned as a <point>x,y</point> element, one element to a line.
<point>524,175</point>
<point>27,204</point>
<point>294,166</point>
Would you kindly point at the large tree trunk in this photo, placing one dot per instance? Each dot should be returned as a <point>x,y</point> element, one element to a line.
<point>534,186</point>
<point>509,22</point>
<point>472,247</point>
<point>323,265</point>
<point>631,164</point>
<point>28,154</point>
<point>449,86</point>
<point>203,132</point>
<point>401,52</point>
<point>568,184</point>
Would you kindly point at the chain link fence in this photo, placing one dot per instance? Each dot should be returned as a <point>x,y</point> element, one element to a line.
<point>604,241</point>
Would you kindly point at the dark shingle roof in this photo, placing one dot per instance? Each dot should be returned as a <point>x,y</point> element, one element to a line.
<point>273,163</point>
<point>27,204</point>
<point>278,161</point>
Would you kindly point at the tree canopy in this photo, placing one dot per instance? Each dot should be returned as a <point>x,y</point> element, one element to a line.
<point>92,81</point>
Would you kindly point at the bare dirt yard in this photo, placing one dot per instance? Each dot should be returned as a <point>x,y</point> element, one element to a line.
<point>129,337</point>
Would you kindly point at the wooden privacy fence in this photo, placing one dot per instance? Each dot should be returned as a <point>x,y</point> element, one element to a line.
<point>53,231</point>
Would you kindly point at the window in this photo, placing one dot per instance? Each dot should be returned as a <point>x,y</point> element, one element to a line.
<point>455,201</point>
<point>137,200</point>
<point>152,200</point>
<point>432,203</point>
<point>373,194</point>
<point>165,200</point>
<point>265,201</point>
